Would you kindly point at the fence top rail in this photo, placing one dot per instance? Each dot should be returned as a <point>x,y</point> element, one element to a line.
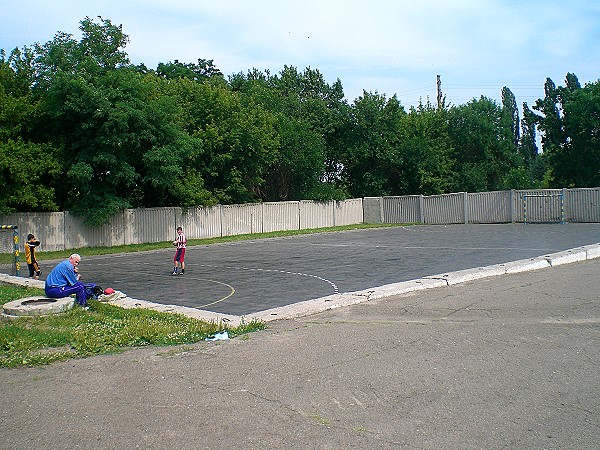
<point>542,195</point>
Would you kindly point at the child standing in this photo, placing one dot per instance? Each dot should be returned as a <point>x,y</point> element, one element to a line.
<point>179,258</point>
<point>34,267</point>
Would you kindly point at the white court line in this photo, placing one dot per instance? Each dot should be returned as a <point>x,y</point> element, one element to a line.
<point>331,283</point>
<point>425,247</point>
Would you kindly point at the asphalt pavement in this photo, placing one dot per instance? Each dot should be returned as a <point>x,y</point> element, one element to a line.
<point>246,277</point>
<point>503,362</point>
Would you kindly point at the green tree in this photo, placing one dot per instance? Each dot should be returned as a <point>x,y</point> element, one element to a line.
<point>426,151</point>
<point>118,132</point>
<point>527,143</point>
<point>372,162</point>
<point>239,141</point>
<point>510,115</point>
<point>307,112</point>
<point>549,119</point>
<point>100,50</point>
<point>570,120</point>
<point>200,71</point>
<point>27,167</point>
<point>25,171</point>
<point>485,152</point>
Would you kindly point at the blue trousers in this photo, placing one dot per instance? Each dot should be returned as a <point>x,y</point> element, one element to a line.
<point>64,291</point>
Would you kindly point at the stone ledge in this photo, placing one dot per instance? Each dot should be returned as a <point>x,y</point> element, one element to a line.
<point>567,256</point>
<point>21,281</point>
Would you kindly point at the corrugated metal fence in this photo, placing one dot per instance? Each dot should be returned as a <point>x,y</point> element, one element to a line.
<point>526,206</point>
<point>63,230</point>
<point>59,231</point>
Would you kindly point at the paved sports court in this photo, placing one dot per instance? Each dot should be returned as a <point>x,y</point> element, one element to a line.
<point>251,276</point>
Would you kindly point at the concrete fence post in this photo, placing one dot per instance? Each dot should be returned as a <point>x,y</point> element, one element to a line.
<point>512,203</point>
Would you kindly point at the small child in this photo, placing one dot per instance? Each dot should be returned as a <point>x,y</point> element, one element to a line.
<point>34,267</point>
<point>179,258</point>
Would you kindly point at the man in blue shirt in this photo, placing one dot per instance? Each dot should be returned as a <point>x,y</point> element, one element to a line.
<point>64,280</point>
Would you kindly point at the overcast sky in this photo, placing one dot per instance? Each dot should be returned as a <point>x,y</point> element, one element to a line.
<point>388,46</point>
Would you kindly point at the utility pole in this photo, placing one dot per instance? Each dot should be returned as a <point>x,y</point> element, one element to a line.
<point>439,92</point>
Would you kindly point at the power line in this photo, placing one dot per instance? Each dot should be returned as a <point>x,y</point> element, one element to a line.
<point>470,86</point>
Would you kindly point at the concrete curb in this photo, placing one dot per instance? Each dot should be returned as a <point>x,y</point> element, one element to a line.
<point>429,282</point>
<point>209,316</point>
<point>28,282</point>
<point>318,305</point>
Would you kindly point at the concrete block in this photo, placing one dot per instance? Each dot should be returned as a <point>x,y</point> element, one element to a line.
<point>37,306</point>
<point>404,287</point>
<point>592,251</point>
<point>462,276</point>
<point>22,281</point>
<point>526,265</point>
<point>309,307</point>
<point>566,257</point>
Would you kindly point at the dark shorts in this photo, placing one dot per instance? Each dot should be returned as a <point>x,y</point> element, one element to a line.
<point>179,255</point>
<point>34,269</point>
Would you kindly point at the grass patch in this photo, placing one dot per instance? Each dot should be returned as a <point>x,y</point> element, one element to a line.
<point>102,329</point>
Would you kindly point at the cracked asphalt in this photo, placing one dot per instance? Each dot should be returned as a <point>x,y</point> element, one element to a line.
<point>245,277</point>
<point>503,362</point>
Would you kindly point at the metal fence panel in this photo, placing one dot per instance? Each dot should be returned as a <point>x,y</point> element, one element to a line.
<point>281,216</point>
<point>146,225</point>
<point>444,209</point>
<point>315,214</point>
<point>48,228</point>
<point>403,209</point>
<point>348,212</point>
<point>241,219</point>
<point>543,208</point>
<point>583,205</point>
<point>538,205</point>
<point>78,234</point>
<point>198,223</point>
<point>489,207</point>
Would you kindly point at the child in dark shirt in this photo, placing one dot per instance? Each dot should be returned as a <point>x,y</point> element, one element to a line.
<point>34,267</point>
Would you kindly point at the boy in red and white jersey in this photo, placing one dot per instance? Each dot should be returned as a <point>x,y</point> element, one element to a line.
<point>179,258</point>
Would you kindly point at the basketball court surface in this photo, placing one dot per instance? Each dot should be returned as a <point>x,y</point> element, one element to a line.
<point>247,277</point>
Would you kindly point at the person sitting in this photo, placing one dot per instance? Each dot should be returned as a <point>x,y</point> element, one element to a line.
<point>63,280</point>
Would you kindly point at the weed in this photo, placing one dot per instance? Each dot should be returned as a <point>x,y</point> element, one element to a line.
<point>321,420</point>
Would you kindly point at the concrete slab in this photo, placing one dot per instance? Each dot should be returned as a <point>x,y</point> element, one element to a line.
<point>592,251</point>
<point>525,265</point>
<point>567,256</point>
<point>37,306</point>
<point>21,281</point>
<point>462,276</point>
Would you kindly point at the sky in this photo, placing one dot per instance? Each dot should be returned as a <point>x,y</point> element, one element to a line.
<point>392,47</point>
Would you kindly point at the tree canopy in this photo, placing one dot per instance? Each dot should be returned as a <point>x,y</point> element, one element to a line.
<point>83,129</point>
